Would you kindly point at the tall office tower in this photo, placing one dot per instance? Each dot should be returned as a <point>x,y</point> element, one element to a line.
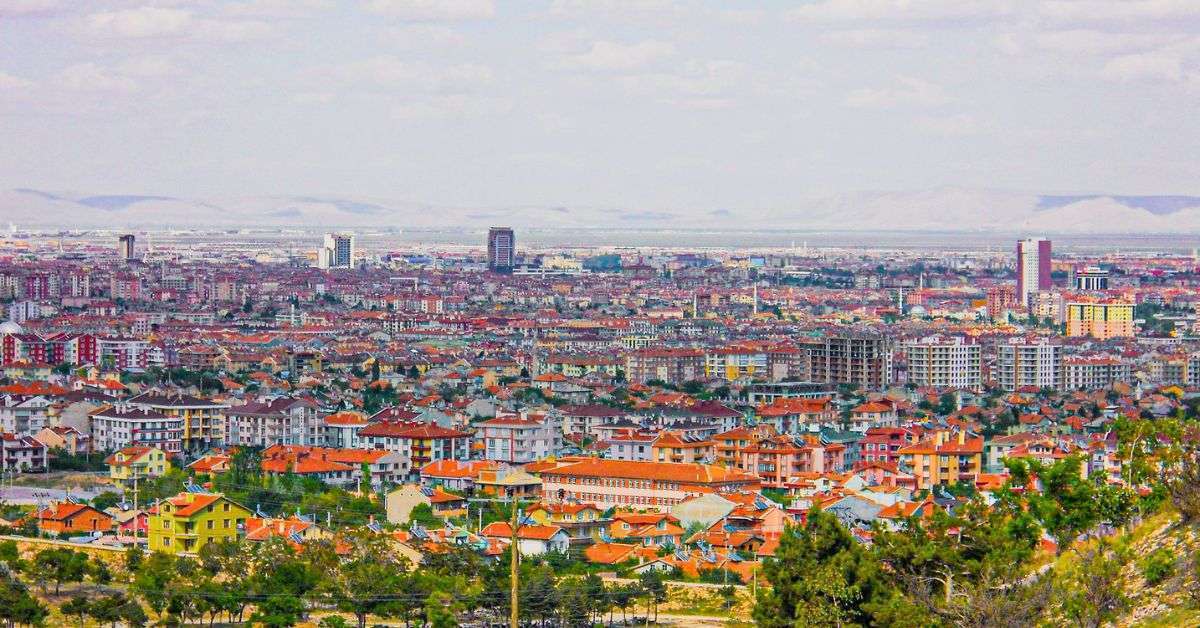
<point>337,251</point>
<point>125,247</point>
<point>1033,267</point>
<point>501,249</point>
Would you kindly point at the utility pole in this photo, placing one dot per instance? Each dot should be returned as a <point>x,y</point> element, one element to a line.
<point>513,620</point>
<point>136,516</point>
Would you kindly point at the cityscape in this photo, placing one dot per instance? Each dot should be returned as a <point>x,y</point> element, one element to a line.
<point>599,313</point>
<point>664,417</point>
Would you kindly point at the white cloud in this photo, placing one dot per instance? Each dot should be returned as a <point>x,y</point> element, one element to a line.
<point>909,92</point>
<point>412,36</point>
<point>141,22</point>
<point>713,84</point>
<point>876,38</point>
<point>1154,66</point>
<point>10,82</point>
<point>151,22</point>
<point>958,124</point>
<point>902,10</point>
<point>433,10</point>
<point>644,11</point>
<point>616,56</point>
<point>388,72</point>
<point>23,8</point>
<point>1118,10</point>
<point>279,9</point>
<point>89,77</point>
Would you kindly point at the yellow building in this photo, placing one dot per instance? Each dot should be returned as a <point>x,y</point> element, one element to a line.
<point>733,364</point>
<point>136,462</point>
<point>946,458</point>
<point>1100,319</point>
<point>185,523</point>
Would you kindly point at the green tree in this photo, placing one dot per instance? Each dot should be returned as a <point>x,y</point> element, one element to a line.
<point>968,568</point>
<point>77,606</point>
<point>1067,505</point>
<point>652,583</point>
<point>803,553</point>
<point>133,559</point>
<point>153,579</point>
<point>1091,590</point>
<point>441,611</point>
<point>60,565</point>
<point>105,500</point>
<point>364,582</point>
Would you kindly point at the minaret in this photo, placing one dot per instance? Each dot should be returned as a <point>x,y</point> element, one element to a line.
<point>756,298</point>
<point>695,305</point>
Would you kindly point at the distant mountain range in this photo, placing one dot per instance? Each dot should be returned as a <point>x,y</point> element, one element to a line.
<point>948,209</point>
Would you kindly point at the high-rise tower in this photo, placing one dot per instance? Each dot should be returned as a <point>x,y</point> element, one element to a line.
<point>1033,267</point>
<point>501,249</point>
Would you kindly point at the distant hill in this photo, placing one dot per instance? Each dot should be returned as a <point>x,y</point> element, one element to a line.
<point>949,209</point>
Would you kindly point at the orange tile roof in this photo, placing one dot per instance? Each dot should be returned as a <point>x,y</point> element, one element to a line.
<point>694,473</point>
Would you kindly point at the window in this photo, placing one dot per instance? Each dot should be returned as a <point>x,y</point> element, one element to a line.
<point>210,524</point>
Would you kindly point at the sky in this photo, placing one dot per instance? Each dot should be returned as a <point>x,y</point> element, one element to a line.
<point>649,103</point>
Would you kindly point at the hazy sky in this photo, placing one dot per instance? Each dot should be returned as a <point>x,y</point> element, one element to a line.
<point>599,102</point>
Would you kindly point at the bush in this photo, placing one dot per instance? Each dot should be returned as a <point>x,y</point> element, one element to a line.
<point>1158,566</point>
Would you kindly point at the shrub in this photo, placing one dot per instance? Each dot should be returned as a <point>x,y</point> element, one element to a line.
<point>1158,566</point>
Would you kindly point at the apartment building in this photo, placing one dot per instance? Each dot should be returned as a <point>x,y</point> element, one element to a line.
<point>123,425</point>
<point>944,458</point>
<point>1100,319</point>
<point>277,421</point>
<point>945,362</point>
<point>858,359</point>
<point>642,485</point>
<point>520,439</point>
<point>1092,373</point>
<point>1023,362</point>
<point>673,366</point>
<point>735,363</point>
<point>204,420</point>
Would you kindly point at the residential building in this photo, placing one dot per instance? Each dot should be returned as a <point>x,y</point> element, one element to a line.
<point>1091,279</point>
<point>69,518</point>
<point>673,366</point>
<point>185,523</point>
<point>1094,372</point>
<point>131,464</point>
<point>944,362</point>
<point>1022,362</point>
<point>272,421</point>
<point>337,251</point>
<point>118,426</point>
<point>420,443</point>
<point>204,420</point>
<point>126,250</point>
<point>1101,319</point>
<point>519,439</point>
<point>858,359</point>
<point>944,458</point>
<point>22,453</point>
<point>643,485</point>
<point>734,363</point>
<point>672,446</point>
